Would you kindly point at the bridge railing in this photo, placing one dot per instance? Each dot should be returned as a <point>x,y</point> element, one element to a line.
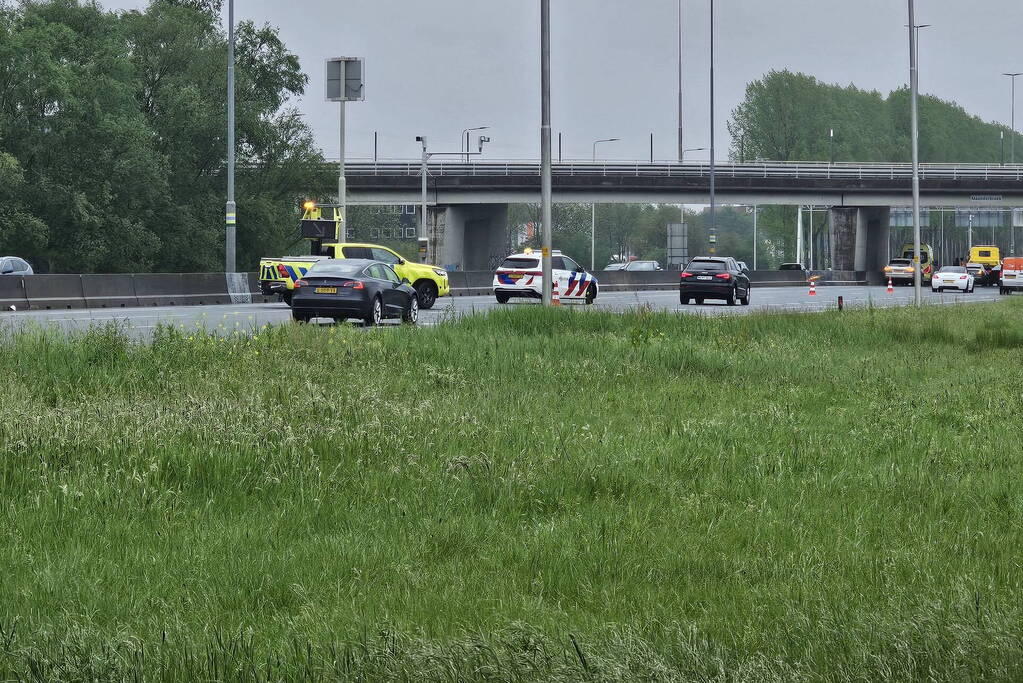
<point>801,169</point>
<point>774,169</point>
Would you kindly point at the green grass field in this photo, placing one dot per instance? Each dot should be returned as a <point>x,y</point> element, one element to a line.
<point>529,495</point>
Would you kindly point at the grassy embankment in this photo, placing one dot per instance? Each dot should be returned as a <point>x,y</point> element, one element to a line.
<point>531,495</point>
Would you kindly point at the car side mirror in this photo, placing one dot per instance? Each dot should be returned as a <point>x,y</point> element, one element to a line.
<point>580,269</point>
<point>406,281</point>
<point>401,261</point>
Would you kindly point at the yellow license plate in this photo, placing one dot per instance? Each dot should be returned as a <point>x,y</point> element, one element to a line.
<point>1009,276</point>
<point>326,290</point>
<point>515,276</point>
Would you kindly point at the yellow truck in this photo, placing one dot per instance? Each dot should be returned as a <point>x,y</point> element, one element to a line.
<point>278,275</point>
<point>989,258</point>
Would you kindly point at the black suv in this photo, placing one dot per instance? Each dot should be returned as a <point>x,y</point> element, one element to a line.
<point>708,277</point>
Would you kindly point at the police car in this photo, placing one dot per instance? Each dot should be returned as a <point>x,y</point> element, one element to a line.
<point>520,275</point>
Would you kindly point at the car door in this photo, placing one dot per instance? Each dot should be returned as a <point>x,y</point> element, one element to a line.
<point>578,279</point>
<point>394,298</point>
<point>387,256</point>
<point>560,274</point>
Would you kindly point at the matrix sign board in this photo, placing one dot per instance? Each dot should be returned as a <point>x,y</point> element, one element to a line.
<point>345,79</point>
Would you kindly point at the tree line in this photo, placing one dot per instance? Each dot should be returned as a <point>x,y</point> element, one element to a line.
<point>113,137</point>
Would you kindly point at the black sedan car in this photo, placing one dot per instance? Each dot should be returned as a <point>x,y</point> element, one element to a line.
<point>708,277</point>
<point>353,288</point>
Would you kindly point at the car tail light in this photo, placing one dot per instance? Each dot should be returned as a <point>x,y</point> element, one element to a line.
<point>684,275</point>
<point>724,276</point>
<point>299,284</point>
<point>354,284</point>
<point>281,270</point>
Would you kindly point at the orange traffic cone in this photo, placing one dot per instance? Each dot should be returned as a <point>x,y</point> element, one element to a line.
<point>891,289</point>
<point>555,299</point>
<point>813,288</point>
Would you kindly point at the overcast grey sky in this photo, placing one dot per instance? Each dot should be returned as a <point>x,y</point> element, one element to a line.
<point>436,67</point>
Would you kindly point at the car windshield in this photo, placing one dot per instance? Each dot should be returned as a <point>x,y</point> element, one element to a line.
<point>520,263</point>
<point>336,268</point>
<point>952,269</point>
<point>716,266</point>
<point>900,262</point>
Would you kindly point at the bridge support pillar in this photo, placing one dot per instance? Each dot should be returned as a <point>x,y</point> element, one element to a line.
<point>859,238</point>
<point>468,236</point>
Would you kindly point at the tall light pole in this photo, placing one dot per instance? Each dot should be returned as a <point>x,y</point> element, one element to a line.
<point>713,238</point>
<point>1012,139</point>
<point>593,211</point>
<point>465,138</point>
<point>545,146</point>
<point>915,136</point>
<point>231,210</point>
<point>681,151</point>
<point>831,145</point>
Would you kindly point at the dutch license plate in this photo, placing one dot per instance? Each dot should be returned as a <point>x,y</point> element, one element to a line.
<point>515,276</point>
<point>704,277</point>
<point>326,290</point>
<point>1009,277</point>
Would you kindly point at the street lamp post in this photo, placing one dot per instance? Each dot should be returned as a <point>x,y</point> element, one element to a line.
<point>231,210</point>
<point>915,139</point>
<point>681,151</point>
<point>713,237</point>
<point>546,189</point>
<point>465,138</point>
<point>831,145</point>
<point>1012,140</point>
<point>423,239</point>
<point>1001,144</point>
<point>593,211</point>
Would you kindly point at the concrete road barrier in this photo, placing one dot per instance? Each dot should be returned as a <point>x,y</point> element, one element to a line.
<point>53,292</point>
<point>109,291</point>
<point>12,292</point>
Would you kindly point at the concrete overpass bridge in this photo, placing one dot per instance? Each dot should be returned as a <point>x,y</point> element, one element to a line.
<point>468,202</point>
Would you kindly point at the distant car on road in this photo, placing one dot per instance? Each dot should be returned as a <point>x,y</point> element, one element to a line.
<point>635,266</point>
<point>708,277</point>
<point>793,266</point>
<point>353,288</point>
<point>12,265</point>
<point>952,277</point>
<point>900,270</point>
<point>979,271</point>
<point>991,258</point>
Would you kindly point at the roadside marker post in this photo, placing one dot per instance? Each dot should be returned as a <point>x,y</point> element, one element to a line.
<point>813,288</point>
<point>555,298</point>
<point>891,289</point>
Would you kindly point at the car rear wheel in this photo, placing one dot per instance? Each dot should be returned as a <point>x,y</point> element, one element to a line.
<point>699,301</point>
<point>300,317</point>
<point>376,313</point>
<point>502,298</point>
<point>427,293</point>
<point>684,300</point>
<point>591,295</point>
<point>730,299</point>
<point>411,315</point>
<point>745,300</point>
<point>286,298</point>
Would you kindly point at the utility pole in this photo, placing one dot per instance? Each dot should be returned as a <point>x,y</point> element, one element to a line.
<point>914,114</point>
<point>545,145</point>
<point>1012,139</point>
<point>713,238</point>
<point>681,144</point>
<point>231,210</point>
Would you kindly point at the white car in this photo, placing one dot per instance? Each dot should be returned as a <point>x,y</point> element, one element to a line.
<point>520,276</point>
<point>952,277</point>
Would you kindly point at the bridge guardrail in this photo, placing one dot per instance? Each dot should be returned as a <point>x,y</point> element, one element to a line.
<point>801,170</point>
